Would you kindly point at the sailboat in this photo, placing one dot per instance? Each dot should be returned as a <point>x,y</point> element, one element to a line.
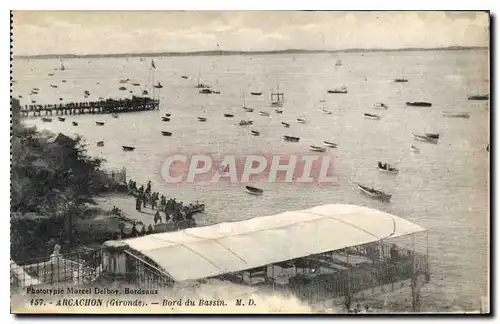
<point>338,63</point>
<point>247,109</point>
<point>402,79</point>
<point>200,85</point>
<point>279,97</point>
<point>63,68</point>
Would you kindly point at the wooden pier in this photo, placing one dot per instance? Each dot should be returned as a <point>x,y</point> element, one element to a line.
<point>108,106</point>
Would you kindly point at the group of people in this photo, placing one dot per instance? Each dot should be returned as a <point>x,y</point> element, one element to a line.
<point>173,210</point>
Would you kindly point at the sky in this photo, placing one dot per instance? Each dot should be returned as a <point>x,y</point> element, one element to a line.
<point>107,32</point>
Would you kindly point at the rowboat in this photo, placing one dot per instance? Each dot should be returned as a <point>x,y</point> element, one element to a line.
<point>456,114</point>
<point>372,116</point>
<point>387,168</point>
<point>124,81</point>
<point>301,121</point>
<point>263,113</point>
<point>380,105</point>
<point>122,88</point>
<point>278,111</point>
<point>136,84</point>
<point>228,115</point>
<point>61,118</point>
<point>254,191</point>
<point>128,148</point>
<point>330,144</point>
<point>202,119</point>
<point>245,122</point>
<point>206,91</point>
<point>418,103</point>
<point>168,114</point>
<point>114,115</point>
<point>74,123</point>
<point>286,125</point>
<point>317,148</point>
<point>216,92</point>
<point>254,133</point>
<point>164,133</point>
<point>100,143</point>
<point>374,193</point>
<point>255,93</point>
<point>342,90</point>
<point>184,76</point>
<point>53,86</point>
<point>47,120</point>
<point>291,138</point>
<point>248,109</point>
<point>326,112</point>
<point>99,123</point>
<point>165,119</point>
<point>414,149</point>
<point>425,138</point>
<point>158,86</point>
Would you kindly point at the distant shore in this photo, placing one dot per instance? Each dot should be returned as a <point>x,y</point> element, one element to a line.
<point>214,53</point>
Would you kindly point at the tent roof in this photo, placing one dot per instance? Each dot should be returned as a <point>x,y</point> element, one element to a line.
<point>208,251</point>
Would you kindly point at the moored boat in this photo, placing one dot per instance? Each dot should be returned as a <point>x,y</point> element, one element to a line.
<point>425,138</point>
<point>168,114</point>
<point>432,135</point>
<point>372,116</point>
<point>418,103</point>
<point>136,84</point>
<point>158,85</point>
<point>114,115</point>
<point>254,133</point>
<point>414,149</point>
<point>247,109</point>
<point>479,97</point>
<point>317,148</point>
<point>165,119</point>
<point>98,123</point>
<point>61,118</point>
<point>326,112</point>
<point>291,138</point>
<point>301,121</point>
<point>278,111</point>
<point>47,120</point>
<point>228,115</point>
<point>456,114</point>
<point>286,125</point>
<point>374,193</point>
<point>184,76</point>
<point>330,144</point>
<point>245,122</point>
<point>74,123</point>
<point>380,105</point>
<point>263,113</point>
<point>128,148</point>
<point>205,91</point>
<point>341,90</point>
<point>254,191</point>
<point>53,86</point>
<point>100,143</point>
<point>202,119</point>
<point>122,88</point>
<point>164,133</point>
<point>255,93</point>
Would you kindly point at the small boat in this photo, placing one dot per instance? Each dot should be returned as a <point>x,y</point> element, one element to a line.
<point>63,81</point>
<point>205,91</point>
<point>263,113</point>
<point>291,138</point>
<point>228,115</point>
<point>60,99</point>
<point>418,103</point>
<point>61,118</point>
<point>371,116</point>
<point>165,119</point>
<point>254,191</point>
<point>35,89</point>
<point>114,115</point>
<point>488,148</point>
<point>414,149</point>
<point>124,81</point>
<point>254,133</point>
<point>286,125</point>
<point>248,109</point>
<point>278,111</point>
<point>277,104</point>
<point>255,93</point>
<point>51,74</point>
<point>479,97</point>
<point>145,92</point>
<point>136,84</point>
<point>326,112</point>
<point>20,96</point>
<point>184,77</point>
<point>385,167</point>
<point>122,88</point>
<point>456,114</point>
<point>425,138</point>
<point>74,123</point>
<point>128,148</point>
<point>164,133</point>
<point>401,79</point>
<point>100,143</point>
<point>432,135</point>
<point>168,114</point>
<point>101,98</point>
<point>342,90</point>
<point>374,193</point>
<point>47,120</point>
<point>330,144</point>
<point>216,92</point>
<point>338,63</point>
<point>158,86</point>
<point>301,121</point>
<point>245,122</point>
<point>99,123</point>
<point>54,86</point>
<point>317,148</point>
<point>33,101</point>
<point>202,119</point>
<point>380,105</point>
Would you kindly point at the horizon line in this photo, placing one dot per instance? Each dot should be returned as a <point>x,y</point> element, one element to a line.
<point>238,52</point>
